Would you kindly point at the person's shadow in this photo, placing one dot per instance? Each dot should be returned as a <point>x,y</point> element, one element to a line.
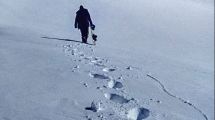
<point>65,40</point>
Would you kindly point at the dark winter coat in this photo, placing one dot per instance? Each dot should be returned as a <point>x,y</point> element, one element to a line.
<point>82,19</point>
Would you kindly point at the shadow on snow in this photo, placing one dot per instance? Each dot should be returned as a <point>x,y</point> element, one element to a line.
<point>65,40</point>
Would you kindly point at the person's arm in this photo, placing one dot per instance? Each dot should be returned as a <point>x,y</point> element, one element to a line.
<point>76,21</point>
<point>89,18</point>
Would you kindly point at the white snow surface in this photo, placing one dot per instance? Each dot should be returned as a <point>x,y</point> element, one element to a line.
<point>154,60</point>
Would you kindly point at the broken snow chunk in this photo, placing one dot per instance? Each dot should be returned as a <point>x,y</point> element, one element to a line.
<point>138,113</point>
<point>114,84</point>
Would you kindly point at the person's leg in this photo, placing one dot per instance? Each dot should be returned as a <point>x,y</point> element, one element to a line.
<point>86,32</point>
<point>82,34</point>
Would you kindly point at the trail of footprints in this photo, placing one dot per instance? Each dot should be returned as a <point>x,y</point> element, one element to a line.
<point>117,101</point>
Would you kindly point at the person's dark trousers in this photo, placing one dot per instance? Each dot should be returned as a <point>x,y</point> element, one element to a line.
<point>84,34</point>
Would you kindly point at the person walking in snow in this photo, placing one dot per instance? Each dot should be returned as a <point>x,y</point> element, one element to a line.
<point>82,22</point>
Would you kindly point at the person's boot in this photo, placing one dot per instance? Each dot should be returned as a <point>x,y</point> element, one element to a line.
<point>83,40</point>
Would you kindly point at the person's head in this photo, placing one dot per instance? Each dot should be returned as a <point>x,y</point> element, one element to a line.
<point>81,7</point>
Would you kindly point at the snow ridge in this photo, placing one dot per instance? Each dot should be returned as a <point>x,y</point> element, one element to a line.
<point>175,96</point>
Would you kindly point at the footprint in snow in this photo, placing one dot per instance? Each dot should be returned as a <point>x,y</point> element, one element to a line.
<point>88,117</point>
<point>97,63</point>
<point>129,68</point>
<point>157,101</point>
<point>81,54</point>
<point>95,107</point>
<point>88,58</point>
<point>99,76</point>
<point>76,67</point>
<point>114,84</point>
<point>108,69</point>
<point>116,98</point>
<point>74,51</point>
<point>138,114</point>
<point>85,84</point>
<point>97,60</point>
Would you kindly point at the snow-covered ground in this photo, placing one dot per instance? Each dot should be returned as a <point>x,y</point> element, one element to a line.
<point>153,60</point>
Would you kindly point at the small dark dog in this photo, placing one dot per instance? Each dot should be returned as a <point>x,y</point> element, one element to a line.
<point>94,36</point>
